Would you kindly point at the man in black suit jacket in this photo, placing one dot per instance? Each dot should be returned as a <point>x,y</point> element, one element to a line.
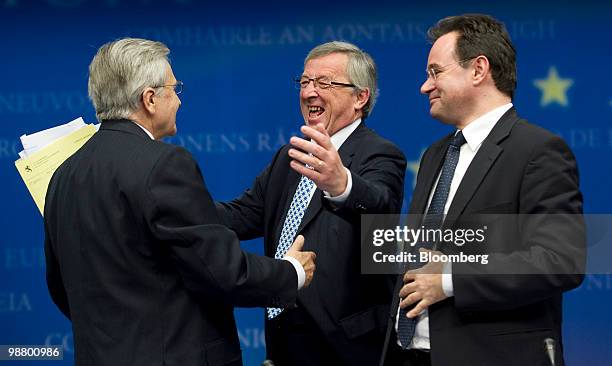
<point>340,319</point>
<point>136,256</point>
<point>507,311</point>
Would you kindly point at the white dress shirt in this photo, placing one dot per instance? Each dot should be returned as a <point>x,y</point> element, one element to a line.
<point>145,130</point>
<point>475,133</point>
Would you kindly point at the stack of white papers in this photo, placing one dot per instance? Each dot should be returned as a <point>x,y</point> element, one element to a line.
<point>44,151</point>
<point>36,141</point>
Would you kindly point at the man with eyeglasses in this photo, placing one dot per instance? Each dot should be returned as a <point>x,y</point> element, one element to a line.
<point>492,168</point>
<point>318,186</point>
<point>136,255</point>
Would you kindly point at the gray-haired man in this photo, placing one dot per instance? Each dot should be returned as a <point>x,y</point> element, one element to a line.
<point>318,187</point>
<point>136,256</point>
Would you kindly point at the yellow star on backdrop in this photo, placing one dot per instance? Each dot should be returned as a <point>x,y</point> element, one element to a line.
<point>554,88</point>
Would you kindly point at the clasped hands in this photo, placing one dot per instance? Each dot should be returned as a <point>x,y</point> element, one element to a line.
<point>422,287</point>
<point>318,160</point>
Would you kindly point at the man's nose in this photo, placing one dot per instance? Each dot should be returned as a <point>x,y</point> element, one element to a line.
<point>427,86</point>
<point>310,90</point>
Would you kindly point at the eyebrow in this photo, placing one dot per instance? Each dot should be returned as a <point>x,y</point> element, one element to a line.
<point>317,76</point>
<point>433,65</point>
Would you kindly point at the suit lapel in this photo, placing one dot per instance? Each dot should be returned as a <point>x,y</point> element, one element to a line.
<point>476,172</point>
<point>482,163</point>
<point>312,210</point>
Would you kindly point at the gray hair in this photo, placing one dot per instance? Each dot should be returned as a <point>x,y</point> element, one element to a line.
<point>360,68</point>
<point>119,73</point>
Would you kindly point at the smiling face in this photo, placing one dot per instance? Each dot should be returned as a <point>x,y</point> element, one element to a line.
<point>450,95</point>
<point>335,107</point>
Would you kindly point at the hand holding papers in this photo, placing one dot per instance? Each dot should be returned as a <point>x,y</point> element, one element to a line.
<point>45,151</point>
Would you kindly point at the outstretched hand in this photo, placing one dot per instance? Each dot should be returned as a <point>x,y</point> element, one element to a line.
<point>319,160</point>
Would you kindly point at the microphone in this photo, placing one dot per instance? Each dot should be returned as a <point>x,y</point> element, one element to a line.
<point>549,345</point>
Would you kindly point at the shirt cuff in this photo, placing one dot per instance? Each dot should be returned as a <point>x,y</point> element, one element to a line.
<point>447,279</point>
<point>301,274</point>
<point>342,197</point>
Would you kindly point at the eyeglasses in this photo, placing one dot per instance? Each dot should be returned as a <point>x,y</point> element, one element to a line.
<point>322,82</point>
<point>433,71</point>
<point>178,87</point>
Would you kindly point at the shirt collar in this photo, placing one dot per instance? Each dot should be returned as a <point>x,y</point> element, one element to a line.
<point>338,138</point>
<point>477,130</point>
<point>145,130</point>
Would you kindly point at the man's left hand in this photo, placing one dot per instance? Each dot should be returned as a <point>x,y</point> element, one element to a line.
<point>325,167</point>
<point>422,287</point>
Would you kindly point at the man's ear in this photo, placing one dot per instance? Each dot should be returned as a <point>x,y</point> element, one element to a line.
<point>148,100</point>
<point>481,69</point>
<point>362,98</point>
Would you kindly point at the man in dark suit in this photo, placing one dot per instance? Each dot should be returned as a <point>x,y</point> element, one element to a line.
<point>319,188</point>
<point>494,166</point>
<point>136,256</point>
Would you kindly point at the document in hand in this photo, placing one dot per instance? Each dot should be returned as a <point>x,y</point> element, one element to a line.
<point>45,151</point>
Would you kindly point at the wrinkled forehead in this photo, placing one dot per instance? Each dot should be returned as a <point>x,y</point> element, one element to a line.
<point>331,65</point>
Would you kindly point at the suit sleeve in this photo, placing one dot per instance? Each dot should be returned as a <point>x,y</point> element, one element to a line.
<point>551,253</point>
<point>245,214</point>
<point>378,185</point>
<point>55,283</point>
<point>207,254</point>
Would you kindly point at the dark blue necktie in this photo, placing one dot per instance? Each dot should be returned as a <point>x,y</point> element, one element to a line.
<point>433,220</point>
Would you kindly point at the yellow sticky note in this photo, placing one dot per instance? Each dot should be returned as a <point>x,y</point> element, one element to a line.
<point>37,169</point>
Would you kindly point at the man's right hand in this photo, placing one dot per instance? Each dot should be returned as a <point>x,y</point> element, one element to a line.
<point>306,259</point>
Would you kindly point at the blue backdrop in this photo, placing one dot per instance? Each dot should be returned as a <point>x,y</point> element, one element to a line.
<point>239,105</point>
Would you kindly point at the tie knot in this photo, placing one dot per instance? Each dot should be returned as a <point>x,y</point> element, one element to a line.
<point>458,140</point>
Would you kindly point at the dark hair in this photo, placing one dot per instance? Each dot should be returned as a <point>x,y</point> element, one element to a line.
<point>481,34</point>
